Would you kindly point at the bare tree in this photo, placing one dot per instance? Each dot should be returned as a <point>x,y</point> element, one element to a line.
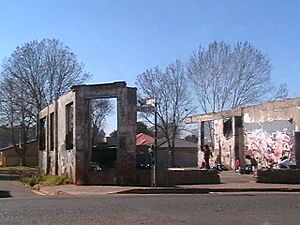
<point>169,88</point>
<point>43,71</point>
<point>17,118</point>
<point>35,75</point>
<point>100,109</point>
<point>142,127</point>
<point>226,77</point>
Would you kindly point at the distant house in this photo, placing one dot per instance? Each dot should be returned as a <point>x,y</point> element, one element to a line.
<point>185,151</point>
<point>144,140</point>
<point>185,154</point>
<point>9,157</point>
<point>143,143</point>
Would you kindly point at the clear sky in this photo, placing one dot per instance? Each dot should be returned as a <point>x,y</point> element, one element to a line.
<point>117,40</point>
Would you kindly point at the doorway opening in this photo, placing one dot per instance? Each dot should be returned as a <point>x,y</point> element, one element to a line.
<point>104,138</point>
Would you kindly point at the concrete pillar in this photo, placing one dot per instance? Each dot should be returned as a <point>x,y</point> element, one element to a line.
<point>297,148</point>
<point>238,138</point>
<point>126,154</point>
<point>81,138</point>
<point>200,143</point>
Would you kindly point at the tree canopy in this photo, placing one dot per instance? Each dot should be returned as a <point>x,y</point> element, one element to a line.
<point>43,71</point>
<point>227,77</point>
<point>169,89</point>
<point>36,74</point>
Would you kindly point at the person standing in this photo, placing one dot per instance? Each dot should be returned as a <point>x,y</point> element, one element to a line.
<point>237,165</point>
<point>207,155</point>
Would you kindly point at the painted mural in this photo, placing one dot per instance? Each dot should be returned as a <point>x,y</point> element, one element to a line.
<point>268,147</point>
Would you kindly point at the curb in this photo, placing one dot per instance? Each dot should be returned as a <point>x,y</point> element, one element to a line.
<point>166,191</point>
<point>204,190</point>
<point>150,191</point>
<point>40,191</point>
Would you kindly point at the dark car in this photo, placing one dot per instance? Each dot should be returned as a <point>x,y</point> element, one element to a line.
<point>143,161</point>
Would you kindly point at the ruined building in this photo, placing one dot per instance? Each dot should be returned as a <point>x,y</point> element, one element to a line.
<point>266,132</point>
<point>65,142</point>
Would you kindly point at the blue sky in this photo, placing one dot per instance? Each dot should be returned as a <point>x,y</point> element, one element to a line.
<point>117,40</point>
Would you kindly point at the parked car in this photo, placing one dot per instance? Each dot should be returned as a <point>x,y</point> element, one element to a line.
<point>95,167</point>
<point>143,161</point>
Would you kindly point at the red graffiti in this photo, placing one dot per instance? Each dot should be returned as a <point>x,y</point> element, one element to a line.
<point>267,147</point>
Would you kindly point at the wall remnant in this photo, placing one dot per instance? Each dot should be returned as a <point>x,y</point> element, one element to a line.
<point>265,132</point>
<point>65,141</point>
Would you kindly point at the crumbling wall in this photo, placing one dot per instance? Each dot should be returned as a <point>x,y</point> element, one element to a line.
<point>266,132</point>
<point>66,156</point>
<point>223,145</point>
<point>67,147</point>
<point>269,131</point>
<point>126,115</point>
<point>55,158</point>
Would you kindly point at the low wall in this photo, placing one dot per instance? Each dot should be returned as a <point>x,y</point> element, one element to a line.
<point>175,176</point>
<point>143,177</point>
<point>195,176</point>
<point>281,176</point>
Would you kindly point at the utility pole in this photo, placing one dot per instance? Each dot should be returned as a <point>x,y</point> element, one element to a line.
<point>147,105</point>
<point>153,183</point>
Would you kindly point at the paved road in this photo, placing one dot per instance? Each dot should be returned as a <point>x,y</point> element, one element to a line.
<point>18,205</point>
<point>256,209</point>
<point>10,187</point>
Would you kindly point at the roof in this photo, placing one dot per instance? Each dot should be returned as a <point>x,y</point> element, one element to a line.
<point>11,146</point>
<point>144,139</point>
<point>179,143</point>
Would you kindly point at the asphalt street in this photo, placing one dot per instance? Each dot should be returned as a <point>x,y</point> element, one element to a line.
<point>11,187</point>
<point>19,205</point>
<point>247,209</point>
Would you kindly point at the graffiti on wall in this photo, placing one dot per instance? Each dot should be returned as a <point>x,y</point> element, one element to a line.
<point>269,147</point>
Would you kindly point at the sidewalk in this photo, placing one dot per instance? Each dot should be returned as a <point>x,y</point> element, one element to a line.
<point>230,183</point>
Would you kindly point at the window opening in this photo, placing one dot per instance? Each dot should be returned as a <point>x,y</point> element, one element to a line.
<point>42,138</point>
<point>227,127</point>
<point>52,131</point>
<point>69,125</point>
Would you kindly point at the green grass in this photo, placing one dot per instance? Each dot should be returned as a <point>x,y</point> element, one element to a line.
<point>47,180</point>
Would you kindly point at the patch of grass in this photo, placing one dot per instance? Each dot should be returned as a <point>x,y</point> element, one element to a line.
<point>31,179</point>
<point>47,180</point>
<point>51,180</point>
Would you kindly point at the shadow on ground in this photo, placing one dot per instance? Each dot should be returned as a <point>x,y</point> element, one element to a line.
<point>4,194</point>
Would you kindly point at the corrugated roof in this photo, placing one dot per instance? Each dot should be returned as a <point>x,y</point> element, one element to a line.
<point>144,139</point>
